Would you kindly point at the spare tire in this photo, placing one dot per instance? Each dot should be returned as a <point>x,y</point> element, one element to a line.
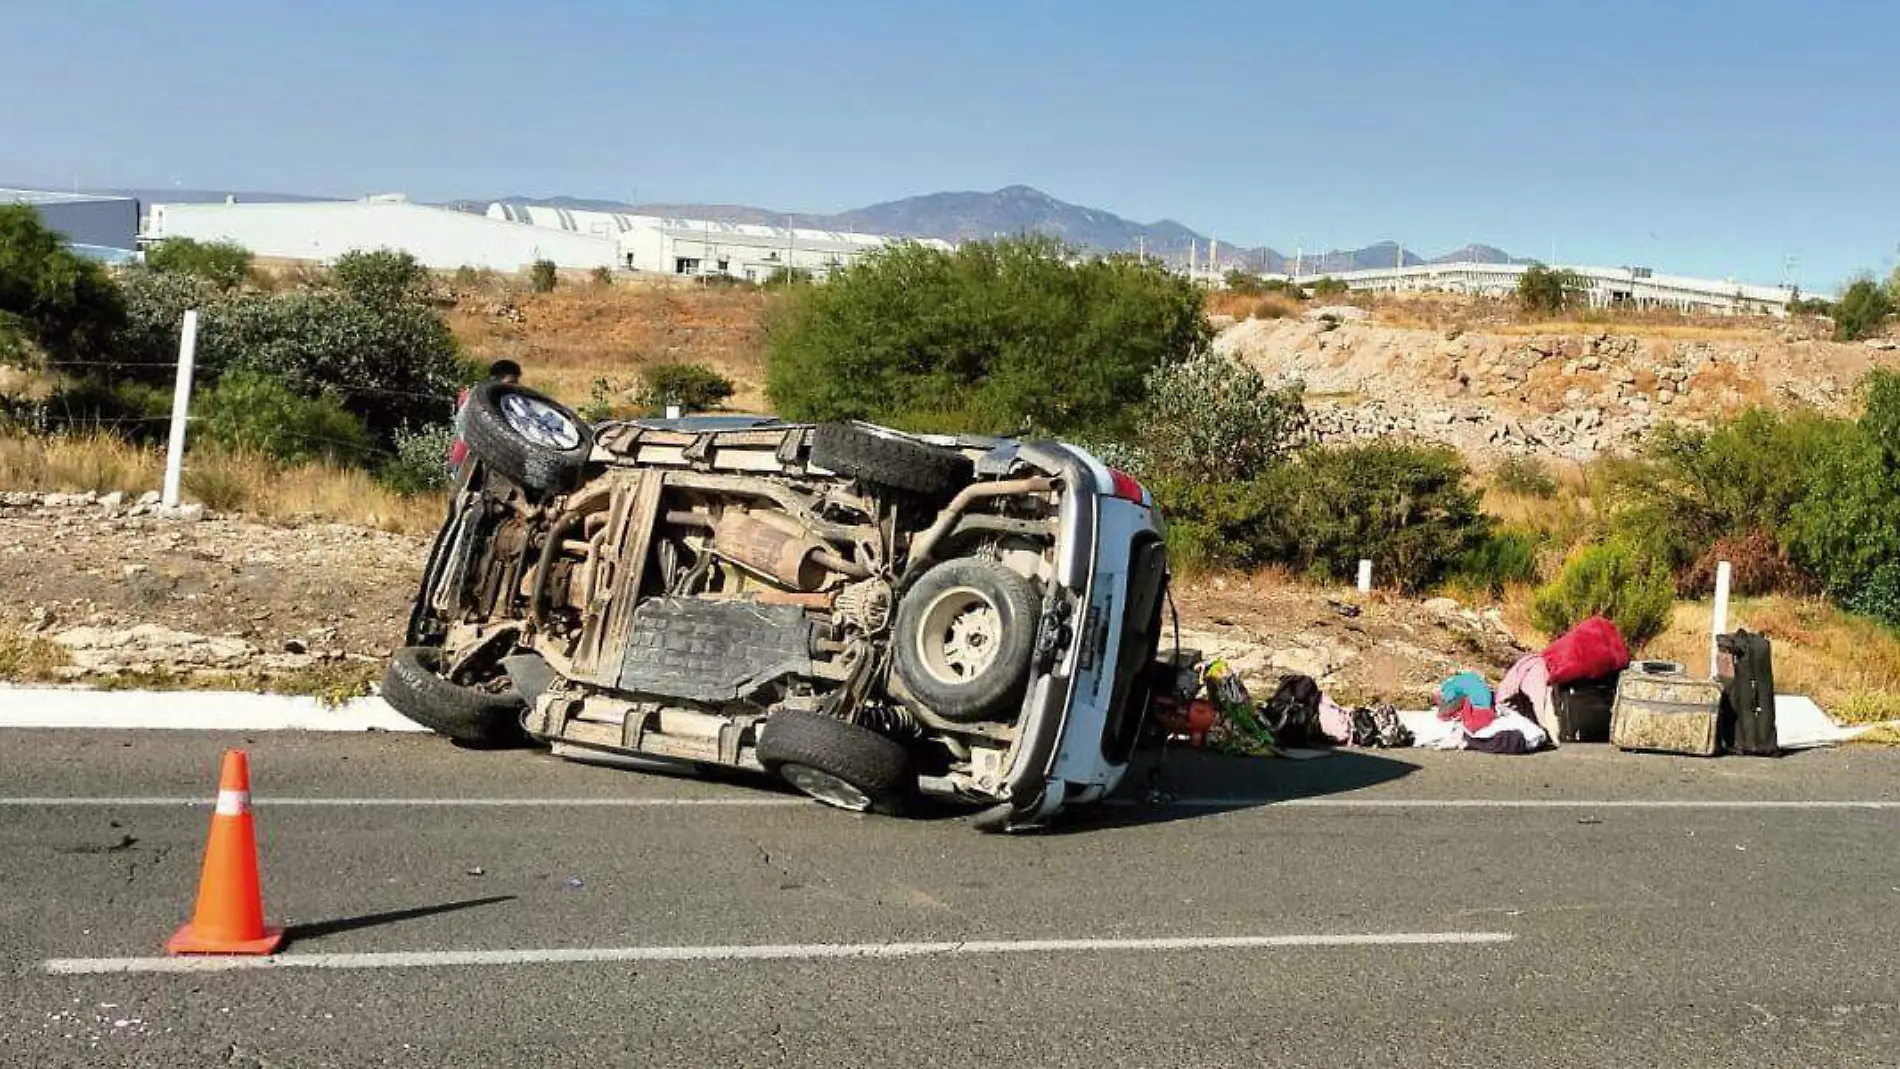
<point>965,637</point>
<point>529,437</point>
<point>839,764</point>
<point>415,687</point>
<point>873,455</point>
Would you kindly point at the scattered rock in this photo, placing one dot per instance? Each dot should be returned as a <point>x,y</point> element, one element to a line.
<point>1339,313</point>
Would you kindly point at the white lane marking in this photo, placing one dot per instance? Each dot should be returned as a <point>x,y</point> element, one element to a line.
<point>53,801</point>
<point>786,952</point>
<point>55,707</point>
<point>425,803</point>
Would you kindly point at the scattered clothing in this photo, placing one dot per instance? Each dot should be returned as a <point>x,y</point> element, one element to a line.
<point>1467,685</point>
<point>1335,722</point>
<point>1526,690</point>
<point>1468,716</point>
<point>1380,727</point>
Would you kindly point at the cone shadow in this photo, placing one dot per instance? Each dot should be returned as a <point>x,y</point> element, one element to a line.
<point>319,929</point>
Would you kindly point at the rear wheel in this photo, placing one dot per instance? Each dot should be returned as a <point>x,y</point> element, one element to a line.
<point>839,764</point>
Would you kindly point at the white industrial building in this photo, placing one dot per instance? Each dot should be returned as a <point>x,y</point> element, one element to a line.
<point>510,237</point>
<point>103,227</point>
<point>1602,286</point>
<point>324,230</point>
<point>702,247</point>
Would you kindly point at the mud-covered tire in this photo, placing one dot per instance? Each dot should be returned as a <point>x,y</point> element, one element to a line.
<point>873,456</point>
<point>876,766</point>
<point>970,598</point>
<point>532,439</point>
<point>415,687</point>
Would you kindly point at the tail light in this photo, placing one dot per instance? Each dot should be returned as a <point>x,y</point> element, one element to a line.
<point>1128,489</point>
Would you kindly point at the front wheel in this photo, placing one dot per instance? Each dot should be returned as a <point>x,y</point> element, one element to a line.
<point>415,687</point>
<point>534,440</point>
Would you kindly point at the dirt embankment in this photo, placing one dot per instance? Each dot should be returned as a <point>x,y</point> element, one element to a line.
<point>1569,395</point>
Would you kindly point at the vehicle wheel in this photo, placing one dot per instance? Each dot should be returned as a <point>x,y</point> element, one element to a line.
<point>966,633</point>
<point>529,437</point>
<point>415,687</point>
<point>839,764</point>
<point>857,451</point>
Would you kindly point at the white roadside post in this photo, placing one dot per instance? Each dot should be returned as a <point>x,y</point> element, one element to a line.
<point>1720,626</point>
<point>672,411</point>
<point>1365,577</point>
<point>181,407</point>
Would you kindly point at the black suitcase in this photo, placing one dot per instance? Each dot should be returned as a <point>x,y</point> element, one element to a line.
<point>1745,663</point>
<point>1582,709</point>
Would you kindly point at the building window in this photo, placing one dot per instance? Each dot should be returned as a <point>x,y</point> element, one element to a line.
<point>686,265</point>
<point>751,274</point>
<point>724,264</point>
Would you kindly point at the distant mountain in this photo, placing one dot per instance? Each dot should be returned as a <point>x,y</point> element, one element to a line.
<point>1479,254</point>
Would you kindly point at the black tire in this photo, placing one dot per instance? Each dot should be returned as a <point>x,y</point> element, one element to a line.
<point>875,765</point>
<point>1004,605</point>
<point>415,687</point>
<point>873,456</point>
<point>539,467</point>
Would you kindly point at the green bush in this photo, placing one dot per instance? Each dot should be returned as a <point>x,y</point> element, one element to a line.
<point>380,277</point>
<point>255,413</point>
<point>1501,558</point>
<point>602,276</point>
<point>1747,474</point>
<point>992,337</point>
<point>1214,418</point>
<point>1404,507</point>
<point>1548,291</point>
<point>783,277</point>
<point>65,305</point>
<point>392,364</point>
<point>1330,287</point>
<point>693,387</point>
<point>145,346</point>
<point>1846,528</point>
<point>420,463</point>
<point>1610,579</point>
<point>542,276</point>
<point>1862,310</point>
<point>1525,475</point>
<point>223,264</point>
<point>135,411</point>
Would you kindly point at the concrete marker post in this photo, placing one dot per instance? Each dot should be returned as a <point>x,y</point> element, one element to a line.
<point>1720,624</point>
<point>1365,577</point>
<point>181,408</point>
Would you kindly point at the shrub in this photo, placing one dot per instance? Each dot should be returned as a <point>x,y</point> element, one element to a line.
<point>134,411</point>
<point>602,277</point>
<point>145,347</point>
<point>782,277</point>
<point>1610,579</point>
<point>1547,291</point>
<point>1244,283</point>
<point>1862,310</point>
<point>63,303</point>
<point>380,277</point>
<point>392,365</point>
<point>1846,530</point>
<point>1329,287</point>
<point>693,387</point>
<point>1747,474</point>
<point>223,264</point>
<point>542,276</point>
<point>420,463</point>
<point>251,412</point>
<point>1214,418</point>
<point>991,337</point>
<point>1272,308</point>
<point>219,487</point>
<point>1501,558</point>
<point>1758,565</point>
<point>1404,507</point>
<point>1525,475</point>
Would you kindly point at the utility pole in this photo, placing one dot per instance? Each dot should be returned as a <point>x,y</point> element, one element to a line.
<point>1141,248</point>
<point>1299,257</point>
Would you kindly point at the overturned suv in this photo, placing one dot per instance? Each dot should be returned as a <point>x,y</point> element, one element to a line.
<point>865,613</point>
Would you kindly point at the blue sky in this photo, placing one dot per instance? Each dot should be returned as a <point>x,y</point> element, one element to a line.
<point>1714,138</point>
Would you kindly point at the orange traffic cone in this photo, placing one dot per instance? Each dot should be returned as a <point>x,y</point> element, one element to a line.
<point>229,918</point>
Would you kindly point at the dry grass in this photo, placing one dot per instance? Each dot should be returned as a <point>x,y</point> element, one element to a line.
<point>29,658</point>
<point>224,482</point>
<point>577,334</point>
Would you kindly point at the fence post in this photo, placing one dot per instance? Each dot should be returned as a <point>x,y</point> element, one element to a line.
<point>1720,625</point>
<point>181,407</point>
<point>1365,577</point>
<point>672,411</point>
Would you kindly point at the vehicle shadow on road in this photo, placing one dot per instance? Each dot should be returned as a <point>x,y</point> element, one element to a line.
<point>1188,784</point>
<point>318,929</point>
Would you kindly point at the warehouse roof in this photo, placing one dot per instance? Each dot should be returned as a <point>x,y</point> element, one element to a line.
<point>36,196</point>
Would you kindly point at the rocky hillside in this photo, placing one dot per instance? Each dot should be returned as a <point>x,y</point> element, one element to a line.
<point>1566,395</point>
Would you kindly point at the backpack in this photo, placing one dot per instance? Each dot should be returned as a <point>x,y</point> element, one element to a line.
<point>1380,727</point>
<point>1292,714</point>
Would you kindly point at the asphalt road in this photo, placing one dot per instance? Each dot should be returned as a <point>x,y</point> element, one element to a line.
<point>1630,922</point>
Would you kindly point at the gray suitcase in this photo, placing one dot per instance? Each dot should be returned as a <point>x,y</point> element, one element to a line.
<point>1661,710</point>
